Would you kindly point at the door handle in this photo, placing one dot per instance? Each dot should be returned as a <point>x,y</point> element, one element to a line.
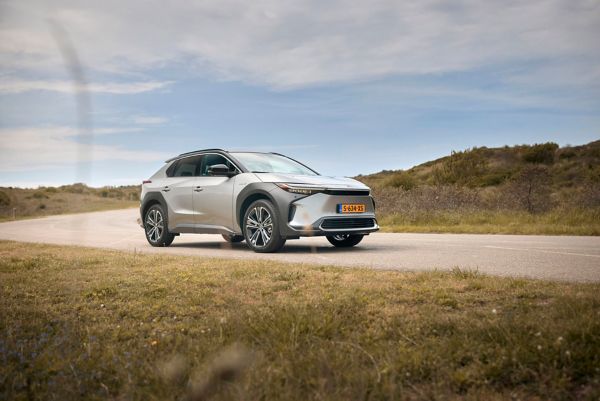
<point>198,189</point>
<point>166,189</point>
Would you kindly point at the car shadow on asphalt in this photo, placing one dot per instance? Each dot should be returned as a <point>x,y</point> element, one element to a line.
<point>289,247</point>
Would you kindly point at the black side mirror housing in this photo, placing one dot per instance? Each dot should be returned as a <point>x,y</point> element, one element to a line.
<point>220,170</point>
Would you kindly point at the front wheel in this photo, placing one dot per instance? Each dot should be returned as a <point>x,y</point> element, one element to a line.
<point>261,227</point>
<point>344,240</point>
<point>155,226</point>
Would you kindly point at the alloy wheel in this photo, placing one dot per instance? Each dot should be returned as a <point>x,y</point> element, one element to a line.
<point>154,225</point>
<point>259,226</point>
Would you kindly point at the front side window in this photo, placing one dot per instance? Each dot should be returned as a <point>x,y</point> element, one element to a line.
<point>210,160</point>
<point>271,163</point>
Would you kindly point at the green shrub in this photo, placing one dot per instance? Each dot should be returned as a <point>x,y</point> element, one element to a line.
<point>493,178</point>
<point>541,153</point>
<point>462,168</point>
<point>402,180</point>
<point>4,199</point>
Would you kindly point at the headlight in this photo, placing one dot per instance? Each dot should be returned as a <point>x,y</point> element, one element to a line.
<point>300,189</point>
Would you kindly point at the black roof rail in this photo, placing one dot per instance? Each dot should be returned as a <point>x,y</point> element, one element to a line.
<point>195,152</point>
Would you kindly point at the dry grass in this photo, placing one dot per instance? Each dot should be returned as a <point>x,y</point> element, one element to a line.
<point>77,198</point>
<point>79,323</point>
<point>555,222</point>
<point>451,209</point>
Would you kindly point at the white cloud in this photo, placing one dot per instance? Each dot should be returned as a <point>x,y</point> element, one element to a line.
<point>35,148</point>
<point>296,43</point>
<point>8,85</point>
<point>115,130</point>
<point>150,120</point>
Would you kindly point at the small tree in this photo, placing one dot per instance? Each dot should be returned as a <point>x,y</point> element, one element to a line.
<point>540,153</point>
<point>531,188</point>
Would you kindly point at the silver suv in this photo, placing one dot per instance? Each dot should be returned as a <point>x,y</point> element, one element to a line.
<point>262,198</point>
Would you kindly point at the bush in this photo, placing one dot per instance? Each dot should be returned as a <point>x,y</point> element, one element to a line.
<point>542,153</point>
<point>4,199</point>
<point>531,189</point>
<point>566,154</point>
<point>462,168</point>
<point>588,196</point>
<point>493,178</point>
<point>426,198</point>
<point>39,195</point>
<point>592,150</point>
<point>402,180</point>
<point>77,188</point>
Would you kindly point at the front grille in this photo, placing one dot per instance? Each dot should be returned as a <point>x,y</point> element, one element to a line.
<point>348,192</point>
<point>347,224</point>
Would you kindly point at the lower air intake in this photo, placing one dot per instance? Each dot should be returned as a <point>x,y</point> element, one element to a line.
<point>347,224</point>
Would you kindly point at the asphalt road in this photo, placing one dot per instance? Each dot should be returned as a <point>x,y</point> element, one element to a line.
<point>546,257</point>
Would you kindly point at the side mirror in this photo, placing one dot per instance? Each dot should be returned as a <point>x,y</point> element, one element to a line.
<point>220,170</point>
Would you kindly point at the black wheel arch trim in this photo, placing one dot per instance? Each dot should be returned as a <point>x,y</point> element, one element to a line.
<point>280,199</point>
<point>150,199</point>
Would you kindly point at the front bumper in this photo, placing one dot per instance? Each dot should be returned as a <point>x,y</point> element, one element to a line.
<point>317,215</point>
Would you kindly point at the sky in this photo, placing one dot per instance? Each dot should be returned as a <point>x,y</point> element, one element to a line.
<point>103,92</point>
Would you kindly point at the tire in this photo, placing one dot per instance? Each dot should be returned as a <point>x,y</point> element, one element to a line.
<point>261,227</point>
<point>156,227</point>
<point>344,240</point>
<point>233,239</point>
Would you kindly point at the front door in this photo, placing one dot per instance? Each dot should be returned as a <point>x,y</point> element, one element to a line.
<point>213,196</point>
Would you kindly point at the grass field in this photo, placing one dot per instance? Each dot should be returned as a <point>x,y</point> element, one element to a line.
<point>555,222</point>
<point>18,203</point>
<point>79,323</point>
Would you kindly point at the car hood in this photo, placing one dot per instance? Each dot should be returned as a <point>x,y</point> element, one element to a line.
<point>317,180</point>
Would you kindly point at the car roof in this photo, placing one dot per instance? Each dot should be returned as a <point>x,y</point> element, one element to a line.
<point>215,150</point>
<point>228,153</point>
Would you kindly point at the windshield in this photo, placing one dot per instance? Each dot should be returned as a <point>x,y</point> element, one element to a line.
<point>271,163</point>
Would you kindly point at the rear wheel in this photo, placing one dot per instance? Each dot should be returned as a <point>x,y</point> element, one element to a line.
<point>344,240</point>
<point>233,239</point>
<point>155,226</point>
<point>261,227</point>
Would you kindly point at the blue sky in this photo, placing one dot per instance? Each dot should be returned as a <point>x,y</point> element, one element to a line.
<point>346,87</point>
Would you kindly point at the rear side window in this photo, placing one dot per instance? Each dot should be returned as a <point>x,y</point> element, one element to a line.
<point>171,168</point>
<point>187,167</point>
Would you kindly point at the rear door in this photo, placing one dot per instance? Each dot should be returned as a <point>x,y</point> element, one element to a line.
<point>178,192</point>
<point>213,196</point>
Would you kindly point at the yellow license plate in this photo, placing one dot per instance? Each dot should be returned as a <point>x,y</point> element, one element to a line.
<point>350,208</point>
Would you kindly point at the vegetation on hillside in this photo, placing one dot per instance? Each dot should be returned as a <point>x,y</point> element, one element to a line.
<point>84,324</point>
<point>526,189</point>
<point>530,189</point>
<point>76,198</point>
